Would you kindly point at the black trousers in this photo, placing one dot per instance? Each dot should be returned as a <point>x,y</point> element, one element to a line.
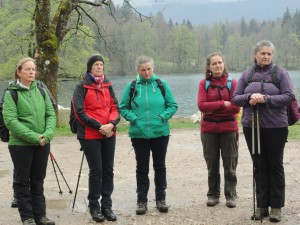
<point>30,164</point>
<point>142,148</point>
<point>226,145</point>
<point>100,157</point>
<point>268,166</point>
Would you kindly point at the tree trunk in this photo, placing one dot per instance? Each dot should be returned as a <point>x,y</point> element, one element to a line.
<point>47,47</point>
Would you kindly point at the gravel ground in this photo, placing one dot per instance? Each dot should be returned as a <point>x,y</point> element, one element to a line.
<point>186,193</point>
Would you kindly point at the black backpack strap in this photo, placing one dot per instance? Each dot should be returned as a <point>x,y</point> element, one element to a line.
<point>14,95</point>
<point>132,93</point>
<point>274,76</point>
<point>42,91</point>
<point>161,87</point>
<point>251,74</point>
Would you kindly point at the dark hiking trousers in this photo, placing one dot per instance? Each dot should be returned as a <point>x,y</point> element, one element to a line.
<point>142,148</point>
<point>269,171</point>
<point>30,164</point>
<point>100,155</point>
<point>225,144</point>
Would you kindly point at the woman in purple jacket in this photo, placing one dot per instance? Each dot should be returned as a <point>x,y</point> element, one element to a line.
<point>260,95</point>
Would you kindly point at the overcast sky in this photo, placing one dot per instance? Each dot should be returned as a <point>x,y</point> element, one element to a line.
<point>147,2</point>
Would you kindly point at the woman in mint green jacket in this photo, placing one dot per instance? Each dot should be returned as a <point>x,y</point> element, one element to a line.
<point>148,103</point>
<point>30,118</point>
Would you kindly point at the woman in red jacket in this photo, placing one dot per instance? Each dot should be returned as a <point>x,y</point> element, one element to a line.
<point>96,109</point>
<point>219,129</point>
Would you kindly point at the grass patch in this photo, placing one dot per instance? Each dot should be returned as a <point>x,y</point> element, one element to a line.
<point>123,126</point>
<point>175,123</point>
<point>294,131</point>
<point>183,123</point>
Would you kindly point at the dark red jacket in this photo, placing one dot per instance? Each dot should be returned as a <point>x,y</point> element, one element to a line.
<point>216,118</point>
<point>94,106</point>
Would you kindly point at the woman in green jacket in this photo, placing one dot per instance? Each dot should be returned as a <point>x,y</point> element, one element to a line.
<point>148,103</point>
<point>31,120</point>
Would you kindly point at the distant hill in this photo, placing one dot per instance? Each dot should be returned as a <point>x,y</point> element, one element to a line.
<point>208,13</point>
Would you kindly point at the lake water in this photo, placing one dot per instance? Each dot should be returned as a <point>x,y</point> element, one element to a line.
<point>184,87</point>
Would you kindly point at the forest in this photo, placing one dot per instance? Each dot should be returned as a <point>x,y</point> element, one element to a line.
<point>120,34</point>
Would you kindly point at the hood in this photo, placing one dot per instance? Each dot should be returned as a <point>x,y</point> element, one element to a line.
<point>15,85</point>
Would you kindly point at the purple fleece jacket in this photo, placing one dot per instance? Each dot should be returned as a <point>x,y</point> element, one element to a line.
<point>272,113</point>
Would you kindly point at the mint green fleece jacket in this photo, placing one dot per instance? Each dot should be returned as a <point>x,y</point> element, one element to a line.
<point>150,111</point>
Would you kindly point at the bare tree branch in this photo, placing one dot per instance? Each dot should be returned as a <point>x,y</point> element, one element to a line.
<point>103,2</point>
<point>98,27</point>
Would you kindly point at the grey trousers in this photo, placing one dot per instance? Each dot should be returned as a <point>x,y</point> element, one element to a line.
<point>226,145</point>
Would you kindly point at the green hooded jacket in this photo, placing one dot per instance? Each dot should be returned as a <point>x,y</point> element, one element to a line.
<point>150,111</point>
<point>31,116</point>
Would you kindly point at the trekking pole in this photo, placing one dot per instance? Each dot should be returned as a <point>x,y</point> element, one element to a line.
<point>79,174</point>
<point>259,157</point>
<point>60,191</point>
<point>53,158</point>
<point>253,157</point>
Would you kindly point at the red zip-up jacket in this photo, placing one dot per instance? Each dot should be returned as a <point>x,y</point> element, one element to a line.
<point>93,106</point>
<point>216,118</point>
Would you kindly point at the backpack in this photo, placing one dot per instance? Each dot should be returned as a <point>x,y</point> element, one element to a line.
<point>228,85</point>
<point>133,91</point>
<point>4,132</point>
<point>292,109</point>
<point>73,121</point>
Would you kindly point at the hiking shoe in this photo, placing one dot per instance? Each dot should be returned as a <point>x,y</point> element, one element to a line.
<point>275,215</point>
<point>162,206</point>
<point>231,203</point>
<point>141,208</point>
<point>108,214</point>
<point>212,202</point>
<point>97,215</point>
<point>29,221</point>
<point>45,221</point>
<point>260,214</point>
<point>14,203</point>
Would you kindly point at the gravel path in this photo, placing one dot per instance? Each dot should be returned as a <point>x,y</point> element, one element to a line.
<point>186,193</point>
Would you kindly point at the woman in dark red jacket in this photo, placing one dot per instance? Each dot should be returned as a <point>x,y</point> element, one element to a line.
<point>96,109</point>
<point>219,129</point>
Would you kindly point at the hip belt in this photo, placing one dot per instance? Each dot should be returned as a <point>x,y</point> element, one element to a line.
<point>219,120</point>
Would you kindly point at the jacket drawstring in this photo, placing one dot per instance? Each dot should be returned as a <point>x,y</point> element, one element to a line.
<point>153,89</point>
<point>140,95</point>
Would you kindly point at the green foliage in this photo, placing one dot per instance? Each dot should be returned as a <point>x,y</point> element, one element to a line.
<point>181,47</point>
<point>75,53</point>
<point>175,48</point>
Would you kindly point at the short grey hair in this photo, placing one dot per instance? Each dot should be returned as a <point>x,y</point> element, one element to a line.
<point>263,43</point>
<point>142,60</point>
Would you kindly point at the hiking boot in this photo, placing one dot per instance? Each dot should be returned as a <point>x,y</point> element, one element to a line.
<point>97,215</point>
<point>162,206</point>
<point>109,214</point>
<point>260,214</point>
<point>212,202</point>
<point>231,203</point>
<point>141,208</point>
<point>29,221</point>
<point>45,221</point>
<point>275,215</point>
<point>14,203</point>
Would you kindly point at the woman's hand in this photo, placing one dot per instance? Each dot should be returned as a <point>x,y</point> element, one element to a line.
<point>227,103</point>
<point>107,130</point>
<point>42,140</point>
<point>257,98</point>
